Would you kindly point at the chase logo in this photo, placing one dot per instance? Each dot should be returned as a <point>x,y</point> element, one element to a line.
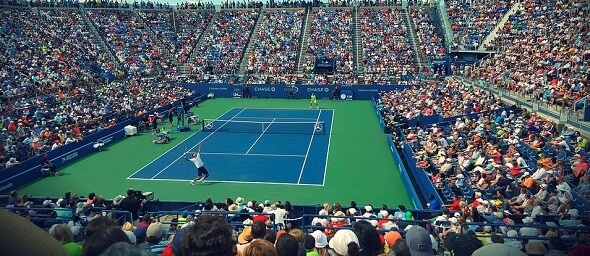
<point>295,89</point>
<point>318,89</point>
<point>343,96</point>
<point>264,89</point>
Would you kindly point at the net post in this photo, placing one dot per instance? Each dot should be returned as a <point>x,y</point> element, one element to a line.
<point>203,125</point>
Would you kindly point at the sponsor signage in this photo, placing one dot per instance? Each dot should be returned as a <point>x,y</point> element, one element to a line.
<point>300,91</point>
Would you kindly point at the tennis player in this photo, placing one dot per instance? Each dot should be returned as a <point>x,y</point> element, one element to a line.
<point>313,101</point>
<point>202,172</point>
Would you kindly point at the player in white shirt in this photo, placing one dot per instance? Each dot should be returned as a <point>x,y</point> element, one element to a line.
<point>202,172</point>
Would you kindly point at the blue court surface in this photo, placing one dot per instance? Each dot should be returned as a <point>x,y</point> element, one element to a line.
<point>253,145</point>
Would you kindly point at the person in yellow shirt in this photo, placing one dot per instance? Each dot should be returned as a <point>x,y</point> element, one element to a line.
<point>314,101</point>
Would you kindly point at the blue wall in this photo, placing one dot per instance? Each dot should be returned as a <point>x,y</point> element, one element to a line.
<point>404,174</point>
<point>358,92</point>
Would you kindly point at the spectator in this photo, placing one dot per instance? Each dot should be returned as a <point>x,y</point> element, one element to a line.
<point>125,249</point>
<point>368,237</point>
<point>132,204</point>
<point>345,242</point>
<point>98,223</point>
<point>260,248</point>
<point>103,239</point>
<point>251,233</point>
<point>419,241</point>
<point>154,237</point>
<point>287,245</point>
<point>401,248</point>
<point>63,234</point>
<point>209,235</point>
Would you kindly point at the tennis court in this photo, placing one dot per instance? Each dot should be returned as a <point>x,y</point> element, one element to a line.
<point>359,167</point>
<point>253,145</point>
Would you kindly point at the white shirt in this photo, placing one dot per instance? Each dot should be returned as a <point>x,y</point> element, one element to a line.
<point>279,215</point>
<point>540,174</point>
<point>197,160</point>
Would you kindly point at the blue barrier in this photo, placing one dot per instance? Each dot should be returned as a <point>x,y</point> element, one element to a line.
<point>30,169</point>
<point>404,174</point>
<point>424,183</point>
<point>360,92</point>
<point>378,113</point>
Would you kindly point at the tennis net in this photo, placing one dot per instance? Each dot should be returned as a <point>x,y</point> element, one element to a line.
<point>272,127</point>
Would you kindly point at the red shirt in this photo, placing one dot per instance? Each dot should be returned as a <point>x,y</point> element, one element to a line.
<point>455,205</point>
<point>262,218</point>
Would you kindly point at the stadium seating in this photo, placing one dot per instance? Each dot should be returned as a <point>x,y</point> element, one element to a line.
<point>61,82</point>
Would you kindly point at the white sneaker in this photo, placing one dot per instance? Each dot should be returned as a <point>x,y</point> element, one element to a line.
<point>192,182</point>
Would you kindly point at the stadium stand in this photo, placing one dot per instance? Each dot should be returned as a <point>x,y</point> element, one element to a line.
<point>533,65</point>
<point>330,37</point>
<point>273,59</point>
<point>472,21</point>
<point>221,47</point>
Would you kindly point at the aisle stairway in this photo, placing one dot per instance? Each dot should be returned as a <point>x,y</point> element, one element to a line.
<point>516,7</point>
<point>250,47</point>
<point>183,68</point>
<point>304,38</point>
<point>357,42</point>
<point>96,38</point>
<point>413,38</point>
<point>164,47</point>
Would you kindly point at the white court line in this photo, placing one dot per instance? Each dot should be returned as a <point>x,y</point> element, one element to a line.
<point>308,148</point>
<point>294,108</point>
<point>328,151</point>
<point>196,144</point>
<point>263,131</point>
<point>180,143</point>
<point>242,154</point>
<point>273,118</point>
<point>237,182</point>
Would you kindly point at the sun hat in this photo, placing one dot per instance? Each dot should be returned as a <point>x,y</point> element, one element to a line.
<point>535,248</point>
<point>246,235</point>
<point>321,240</point>
<point>339,243</point>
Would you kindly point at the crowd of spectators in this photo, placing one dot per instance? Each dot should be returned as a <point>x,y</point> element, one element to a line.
<point>507,166</point>
<point>221,48</point>
<point>386,48</point>
<point>34,126</point>
<point>52,100</point>
<point>472,21</point>
<point>330,37</point>
<point>267,228</point>
<point>545,53</point>
<point>276,49</point>
<point>429,43</point>
<point>448,99</point>
<point>190,27</point>
<point>161,24</point>
<point>131,43</point>
<point>195,5</point>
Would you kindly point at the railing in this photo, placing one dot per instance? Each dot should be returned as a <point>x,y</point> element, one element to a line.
<point>444,17</point>
<point>563,115</point>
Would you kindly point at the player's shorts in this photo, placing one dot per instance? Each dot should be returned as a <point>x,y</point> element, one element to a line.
<point>202,170</point>
<point>314,101</point>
